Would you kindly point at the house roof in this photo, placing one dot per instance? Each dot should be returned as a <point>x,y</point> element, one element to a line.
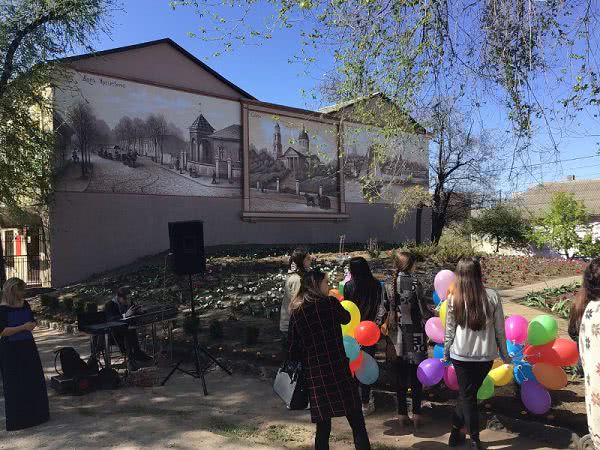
<point>202,125</point>
<point>167,41</point>
<point>537,198</point>
<point>233,132</point>
<point>341,107</point>
<point>292,150</point>
<point>15,219</point>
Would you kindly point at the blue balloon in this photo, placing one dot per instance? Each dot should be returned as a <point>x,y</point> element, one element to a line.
<point>515,351</point>
<point>436,298</point>
<point>523,372</point>
<point>351,347</point>
<point>368,372</point>
<point>438,351</point>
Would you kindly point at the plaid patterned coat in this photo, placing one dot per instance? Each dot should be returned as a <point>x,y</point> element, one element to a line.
<point>315,339</point>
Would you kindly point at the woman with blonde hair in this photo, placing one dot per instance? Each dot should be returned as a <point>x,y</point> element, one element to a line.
<point>25,395</point>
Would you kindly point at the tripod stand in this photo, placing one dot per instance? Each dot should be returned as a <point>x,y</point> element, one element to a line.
<point>197,372</point>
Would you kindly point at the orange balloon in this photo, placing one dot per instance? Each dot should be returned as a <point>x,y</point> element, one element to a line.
<point>336,293</point>
<point>566,349</point>
<point>549,376</point>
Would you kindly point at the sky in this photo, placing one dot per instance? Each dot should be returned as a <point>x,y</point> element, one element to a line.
<point>265,72</point>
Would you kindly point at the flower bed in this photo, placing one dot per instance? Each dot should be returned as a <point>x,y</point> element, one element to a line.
<point>555,300</point>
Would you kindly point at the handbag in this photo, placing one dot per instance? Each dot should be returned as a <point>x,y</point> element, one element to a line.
<point>289,386</point>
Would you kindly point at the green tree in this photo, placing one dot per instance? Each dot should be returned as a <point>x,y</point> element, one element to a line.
<point>560,226</point>
<point>33,35</point>
<point>503,225</point>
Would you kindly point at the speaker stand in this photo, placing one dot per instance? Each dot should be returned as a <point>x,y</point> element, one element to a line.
<point>197,372</point>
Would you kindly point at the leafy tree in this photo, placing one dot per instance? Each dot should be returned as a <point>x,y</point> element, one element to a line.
<point>560,225</point>
<point>502,224</point>
<point>589,246</point>
<point>33,33</point>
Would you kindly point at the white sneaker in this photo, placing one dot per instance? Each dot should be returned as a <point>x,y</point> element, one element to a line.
<point>369,408</point>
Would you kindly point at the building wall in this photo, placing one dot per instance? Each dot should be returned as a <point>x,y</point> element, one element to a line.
<point>94,232</point>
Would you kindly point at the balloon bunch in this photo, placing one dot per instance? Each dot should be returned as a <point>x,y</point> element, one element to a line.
<point>356,334</point>
<point>537,355</point>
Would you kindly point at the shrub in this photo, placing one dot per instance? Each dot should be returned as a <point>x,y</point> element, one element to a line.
<point>53,303</point>
<point>45,300</point>
<point>91,307</point>
<point>373,248</point>
<point>79,306</point>
<point>67,304</point>
<point>215,329</point>
<point>252,334</point>
<point>453,245</point>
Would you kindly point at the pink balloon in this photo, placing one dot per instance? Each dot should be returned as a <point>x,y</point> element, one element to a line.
<point>516,329</point>
<point>442,282</point>
<point>435,330</point>
<point>450,378</point>
<point>347,278</point>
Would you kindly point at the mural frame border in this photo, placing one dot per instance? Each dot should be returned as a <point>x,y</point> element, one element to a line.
<point>293,113</point>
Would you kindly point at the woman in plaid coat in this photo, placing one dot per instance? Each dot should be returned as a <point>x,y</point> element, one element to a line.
<point>315,338</point>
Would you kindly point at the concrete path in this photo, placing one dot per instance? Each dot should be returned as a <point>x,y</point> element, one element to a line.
<point>240,412</point>
<point>510,296</point>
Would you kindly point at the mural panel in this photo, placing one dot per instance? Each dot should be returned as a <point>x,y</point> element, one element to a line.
<point>293,165</point>
<point>127,137</point>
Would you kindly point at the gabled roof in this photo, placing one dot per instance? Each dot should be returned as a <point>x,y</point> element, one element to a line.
<point>233,132</point>
<point>167,41</point>
<point>295,152</point>
<point>339,109</point>
<point>537,198</point>
<point>201,125</point>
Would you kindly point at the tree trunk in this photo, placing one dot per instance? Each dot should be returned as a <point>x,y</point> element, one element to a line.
<point>419,217</point>
<point>437,226</point>
<point>82,162</point>
<point>497,245</point>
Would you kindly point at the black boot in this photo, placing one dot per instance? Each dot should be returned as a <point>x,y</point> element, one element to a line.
<point>456,437</point>
<point>476,444</point>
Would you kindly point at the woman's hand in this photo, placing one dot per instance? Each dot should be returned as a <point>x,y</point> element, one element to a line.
<point>29,326</point>
<point>384,329</point>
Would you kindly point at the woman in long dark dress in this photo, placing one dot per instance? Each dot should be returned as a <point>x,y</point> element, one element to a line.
<point>369,295</point>
<point>315,337</point>
<point>25,395</point>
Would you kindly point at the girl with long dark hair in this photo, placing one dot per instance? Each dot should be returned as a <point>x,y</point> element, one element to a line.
<point>585,319</point>
<point>368,294</point>
<point>474,337</point>
<point>315,337</point>
<point>299,263</point>
<point>25,395</point>
<point>403,318</point>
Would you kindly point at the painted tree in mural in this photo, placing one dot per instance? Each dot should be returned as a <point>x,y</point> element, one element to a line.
<point>156,126</point>
<point>83,123</point>
<point>32,34</point>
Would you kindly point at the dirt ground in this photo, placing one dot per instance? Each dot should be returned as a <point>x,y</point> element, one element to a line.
<point>240,412</point>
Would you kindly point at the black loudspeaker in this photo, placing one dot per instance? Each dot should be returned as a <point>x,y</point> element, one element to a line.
<point>187,247</point>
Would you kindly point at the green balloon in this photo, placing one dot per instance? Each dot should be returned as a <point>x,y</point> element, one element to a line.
<point>341,287</point>
<point>542,329</point>
<point>486,390</point>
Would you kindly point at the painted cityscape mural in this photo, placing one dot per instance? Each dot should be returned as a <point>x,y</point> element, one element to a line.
<point>293,165</point>
<point>126,137</point>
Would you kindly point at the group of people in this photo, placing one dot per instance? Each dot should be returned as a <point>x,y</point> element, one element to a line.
<point>311,322</point>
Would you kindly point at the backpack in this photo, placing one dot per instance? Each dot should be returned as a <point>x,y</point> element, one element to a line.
<point>71,363</point>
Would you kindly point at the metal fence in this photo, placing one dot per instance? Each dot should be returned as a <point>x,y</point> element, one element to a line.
<point>25,257</point>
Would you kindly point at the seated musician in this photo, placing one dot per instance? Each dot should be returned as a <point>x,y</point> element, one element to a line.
<point>116,309</point>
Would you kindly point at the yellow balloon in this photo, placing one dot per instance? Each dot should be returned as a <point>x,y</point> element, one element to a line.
<point>501,375</point>
<point>348,329</point>
<point>443,307</point>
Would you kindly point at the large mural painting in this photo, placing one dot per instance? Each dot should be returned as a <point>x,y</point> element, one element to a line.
<point>126,137</point>
<point>377,168</point>
<point>293,165</point>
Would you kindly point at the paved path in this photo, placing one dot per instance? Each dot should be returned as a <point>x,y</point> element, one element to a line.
<point>240,412</point>
<point>510,296</point>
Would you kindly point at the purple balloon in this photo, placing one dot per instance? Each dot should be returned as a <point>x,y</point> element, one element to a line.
<point>536,397</point>
<point>430,372</point>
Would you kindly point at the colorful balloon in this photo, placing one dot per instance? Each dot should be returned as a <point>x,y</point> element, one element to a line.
<point>430,372</point>
<point>435,330</point>
<point>516,329</point>
<point>566,349</point>
<point>515,351</point>
<point>450,378</point>
<point>523,372</point>
<point>502,375</point>
<point>486,390</point>
<point>535,397</point>
<point>438,351</point>
<point>442,282</point>
<point>497,363</point>
<point>436,298</point>
<point>367,333</point>
<point>335,293</point>
<point>542,329</point>
<point>368,372</point>
<point>351,347</point>
<point>341,287</point>
<point>443,308</point>
<point>551,377</point>
<point>348,277</point>
<point>354,365</point>
<point>348,329</point>
<point>560,352</point>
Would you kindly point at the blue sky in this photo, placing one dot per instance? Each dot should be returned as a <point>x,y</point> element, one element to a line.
<point>265,71</point>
